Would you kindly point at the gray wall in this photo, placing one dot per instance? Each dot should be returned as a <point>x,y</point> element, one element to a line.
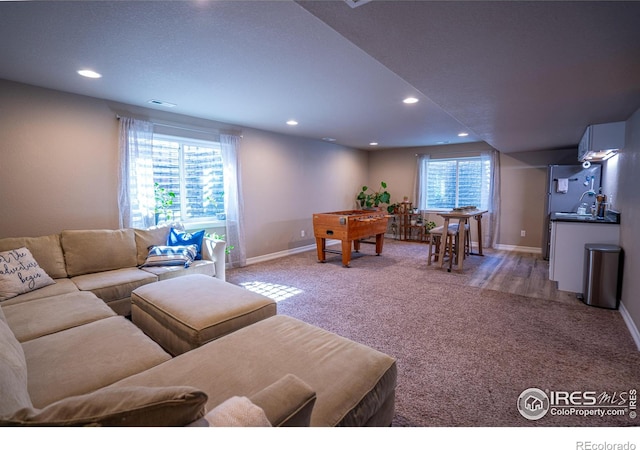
<point>59,159</point>
<point>285,180</point>
<point>523,185</point>
<point>58,162</point>
<point>627,201</point>
<point>58,170</point>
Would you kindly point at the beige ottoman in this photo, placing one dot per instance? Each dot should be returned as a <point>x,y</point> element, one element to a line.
<point>186,312</point>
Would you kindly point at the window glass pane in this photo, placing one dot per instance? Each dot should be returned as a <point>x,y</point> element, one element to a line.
<point>203,183</point>
<point>441,184</point>
<point>469,183</point>
<point>166,171</point>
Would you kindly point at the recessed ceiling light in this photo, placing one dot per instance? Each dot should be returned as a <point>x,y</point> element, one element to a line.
<point>463,134</point>
<point>89,73</point>
<point>292,122</point>
<point>328,139</point>
<point>410,100</point>
<point>373,144</point>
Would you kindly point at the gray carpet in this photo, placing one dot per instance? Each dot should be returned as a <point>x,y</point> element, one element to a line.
<point>464,353</point>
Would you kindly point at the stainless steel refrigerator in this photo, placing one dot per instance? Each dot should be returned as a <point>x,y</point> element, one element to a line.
<point>567,187</point>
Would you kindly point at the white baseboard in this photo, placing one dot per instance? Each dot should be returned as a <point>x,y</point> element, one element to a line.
<point>306,248</point>
<point>518,248</point>
<point>291,251</point>
<point>633,329</point>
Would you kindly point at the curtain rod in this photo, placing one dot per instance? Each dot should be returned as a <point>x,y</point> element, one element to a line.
<point>197,130</point>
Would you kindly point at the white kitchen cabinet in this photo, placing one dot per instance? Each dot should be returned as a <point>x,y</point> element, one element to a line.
<point>566,260</point>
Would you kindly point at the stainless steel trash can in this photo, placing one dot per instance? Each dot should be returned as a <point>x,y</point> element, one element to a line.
<point>602,275</point>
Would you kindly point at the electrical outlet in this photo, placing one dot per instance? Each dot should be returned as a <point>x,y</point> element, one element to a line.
<point>523,233</point>
<point>301,233</point>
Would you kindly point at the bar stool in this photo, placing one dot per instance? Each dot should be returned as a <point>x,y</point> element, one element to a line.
<point>467,238</point>
<point>452,233</point>
<point>436,239</point>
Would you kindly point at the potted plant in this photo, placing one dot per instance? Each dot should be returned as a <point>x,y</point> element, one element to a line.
<point>215,235</point>
<point>372,199</point>
<point>164,201</point>
<point>429,226</point>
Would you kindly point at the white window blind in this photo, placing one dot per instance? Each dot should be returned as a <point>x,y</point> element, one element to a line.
<point>448,183</point>
<point>193,170</point>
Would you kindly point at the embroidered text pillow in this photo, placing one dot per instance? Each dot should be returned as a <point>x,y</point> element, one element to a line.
<point>20,273</point>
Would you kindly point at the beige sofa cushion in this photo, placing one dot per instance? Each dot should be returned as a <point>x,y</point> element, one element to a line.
<point>203,267</point>
<point>114,285</point>
<point>44,316</point>
<point>45,249</point>
<point>61,286</point>
<point>13,373</point>
<point>353,382</point>
<point>148,238</point>
<point>119,407</point>
<point>86,358</point>
<point>90,251</point>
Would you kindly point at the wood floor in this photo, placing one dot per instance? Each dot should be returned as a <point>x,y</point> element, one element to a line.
<point>525,274</point>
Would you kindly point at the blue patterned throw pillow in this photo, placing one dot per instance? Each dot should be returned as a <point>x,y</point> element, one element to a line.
<point>179,237</point>
<point>171,255</point>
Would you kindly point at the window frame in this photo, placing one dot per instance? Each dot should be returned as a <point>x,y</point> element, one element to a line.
<point>182,141</point>
<point>424,194</point>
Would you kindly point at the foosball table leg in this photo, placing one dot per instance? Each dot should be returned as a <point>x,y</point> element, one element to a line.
<point>379,243</point>
<point>321,249</point>
<point>346,253</point>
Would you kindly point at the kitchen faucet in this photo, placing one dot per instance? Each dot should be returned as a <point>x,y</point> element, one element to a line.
<point>591,193</point>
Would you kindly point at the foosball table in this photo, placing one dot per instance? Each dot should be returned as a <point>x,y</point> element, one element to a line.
<point>348,226</point>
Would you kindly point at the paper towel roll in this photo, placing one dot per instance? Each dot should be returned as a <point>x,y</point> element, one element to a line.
<point>563,185</point>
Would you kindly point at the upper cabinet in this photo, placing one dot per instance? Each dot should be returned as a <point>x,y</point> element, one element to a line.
<point>601,141</point>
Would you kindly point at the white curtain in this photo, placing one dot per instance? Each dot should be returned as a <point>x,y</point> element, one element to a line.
<point>233,201</point>
<point>421,180</point>
<point>135,178</point>
<point>494,216</point>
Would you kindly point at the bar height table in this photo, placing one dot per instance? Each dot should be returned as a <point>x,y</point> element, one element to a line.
<point>463,216</point>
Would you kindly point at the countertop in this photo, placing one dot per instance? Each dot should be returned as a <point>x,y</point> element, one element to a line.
<point>612,217</point>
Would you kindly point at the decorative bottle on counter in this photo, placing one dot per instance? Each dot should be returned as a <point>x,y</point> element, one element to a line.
<point>601,202</point>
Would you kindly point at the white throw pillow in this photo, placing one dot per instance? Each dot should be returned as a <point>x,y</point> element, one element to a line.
<point>20,273</point>
<point>237,412</point>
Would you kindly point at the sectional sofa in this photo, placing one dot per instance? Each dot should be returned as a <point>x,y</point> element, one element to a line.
<point>108,262</point>
<point>69,356</point>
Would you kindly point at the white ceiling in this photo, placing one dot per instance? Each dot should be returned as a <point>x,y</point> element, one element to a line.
<point>518,75</point>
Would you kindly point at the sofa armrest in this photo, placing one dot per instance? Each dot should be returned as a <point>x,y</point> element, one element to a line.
<point>214,250</point>
<point>287,403</point>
